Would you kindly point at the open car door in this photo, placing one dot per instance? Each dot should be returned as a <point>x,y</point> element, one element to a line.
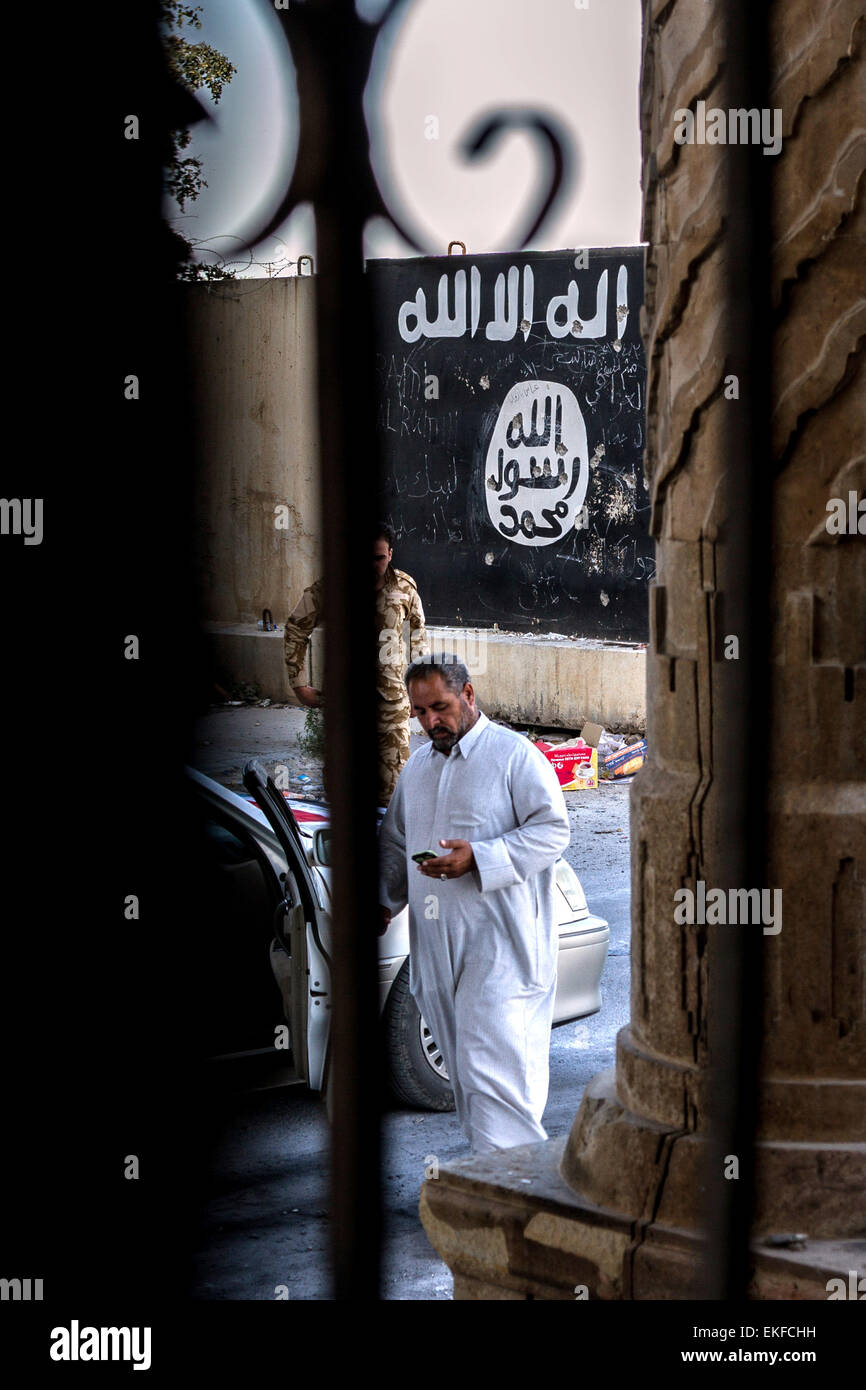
<point>301,927</point>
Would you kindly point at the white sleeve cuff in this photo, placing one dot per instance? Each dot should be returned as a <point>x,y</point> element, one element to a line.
<point>493,862</point>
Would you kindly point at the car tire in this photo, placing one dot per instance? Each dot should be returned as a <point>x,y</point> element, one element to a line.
<point>416,1071</point>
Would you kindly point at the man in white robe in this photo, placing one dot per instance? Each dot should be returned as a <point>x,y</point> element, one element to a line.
<point>482,925</point>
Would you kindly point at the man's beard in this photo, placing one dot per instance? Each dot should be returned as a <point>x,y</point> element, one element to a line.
<point>449,738</point>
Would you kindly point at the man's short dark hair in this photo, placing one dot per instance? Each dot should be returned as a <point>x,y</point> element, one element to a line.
<point>445,664</point>
<point>384,533</point>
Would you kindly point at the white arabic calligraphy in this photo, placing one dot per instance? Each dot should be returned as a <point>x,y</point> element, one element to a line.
<point>621,302</point>
<point>445,325</point>
<point>503,326</point>
<point>413,322</point>
<point>537,459</point>
<point>597,325</point>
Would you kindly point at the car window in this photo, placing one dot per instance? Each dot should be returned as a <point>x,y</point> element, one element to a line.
<point>243,1002</point>
<point>229,848</point>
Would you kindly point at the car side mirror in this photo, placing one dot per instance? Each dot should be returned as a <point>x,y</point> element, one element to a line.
<point>322,846</point>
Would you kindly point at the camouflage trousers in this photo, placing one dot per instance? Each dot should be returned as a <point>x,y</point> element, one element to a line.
<point>393,744</point>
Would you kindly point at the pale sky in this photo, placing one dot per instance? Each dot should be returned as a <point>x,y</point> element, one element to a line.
<point>440,67</point>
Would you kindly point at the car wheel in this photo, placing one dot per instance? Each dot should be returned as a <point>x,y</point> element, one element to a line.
<point>416,1068</point>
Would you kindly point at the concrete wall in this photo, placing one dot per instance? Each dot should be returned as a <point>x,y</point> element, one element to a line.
<point>517,678</point>
<point>253,346</point>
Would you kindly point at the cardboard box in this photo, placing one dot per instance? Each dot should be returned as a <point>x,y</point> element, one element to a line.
<point>591,733</point>
<point>576,765</point>
<point>625,762</point>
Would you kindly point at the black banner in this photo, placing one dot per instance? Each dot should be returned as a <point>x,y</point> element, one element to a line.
<point>511,411</point>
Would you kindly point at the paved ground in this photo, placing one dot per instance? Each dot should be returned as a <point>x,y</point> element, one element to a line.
<point>267,1219</point>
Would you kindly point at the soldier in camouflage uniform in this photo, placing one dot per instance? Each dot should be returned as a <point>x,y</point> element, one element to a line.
<point>397,603</point>
<point>305,616</point>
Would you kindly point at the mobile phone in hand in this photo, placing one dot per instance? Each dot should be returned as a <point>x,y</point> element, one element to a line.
<point>425,854</point>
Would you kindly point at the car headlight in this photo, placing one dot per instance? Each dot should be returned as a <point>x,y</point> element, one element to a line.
<point>569,882</point>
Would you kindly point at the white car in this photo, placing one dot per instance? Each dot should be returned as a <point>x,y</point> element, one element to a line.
<point>271,858</point>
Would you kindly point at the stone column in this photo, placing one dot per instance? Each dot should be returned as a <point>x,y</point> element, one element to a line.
<point>618,1208</point>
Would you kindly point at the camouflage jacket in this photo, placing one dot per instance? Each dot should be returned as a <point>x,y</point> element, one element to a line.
<point>398,606</point>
